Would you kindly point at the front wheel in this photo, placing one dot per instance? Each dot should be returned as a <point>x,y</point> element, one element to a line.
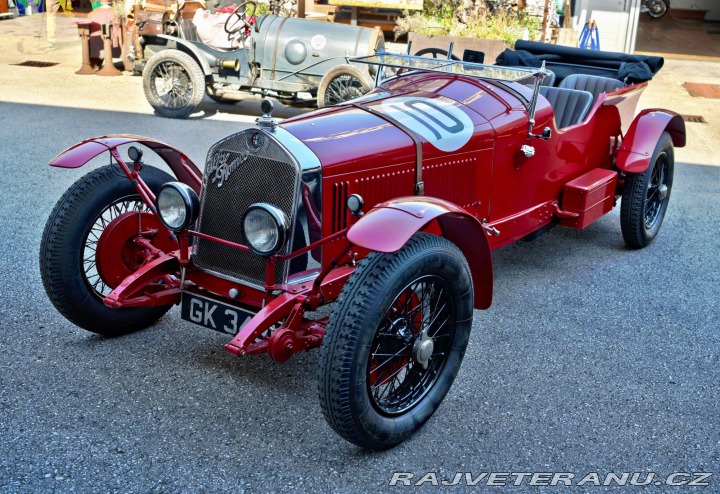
<point>340,84</point>
<point>87,249</point>
<point>646,196</point>
<point>174,84</point>
<point>395,342</point>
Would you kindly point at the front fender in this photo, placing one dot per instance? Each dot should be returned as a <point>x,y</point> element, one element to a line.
<point>388,226</point>
<point>639,143</point>
<point>182,167</point>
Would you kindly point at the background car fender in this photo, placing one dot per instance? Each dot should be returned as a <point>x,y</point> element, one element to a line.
<point>182,167</point>
<point>389,225</point>
<point>193,51</point>
<point>639,143</point>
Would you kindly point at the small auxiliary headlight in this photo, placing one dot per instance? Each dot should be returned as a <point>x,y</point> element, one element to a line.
<point>265,228</point>
<point>178,206</point>
<point>355,203</point>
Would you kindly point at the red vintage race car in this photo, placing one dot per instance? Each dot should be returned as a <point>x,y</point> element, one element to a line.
<point>387,206</point>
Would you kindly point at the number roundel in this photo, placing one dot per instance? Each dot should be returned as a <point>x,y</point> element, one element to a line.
<point>441,123</point>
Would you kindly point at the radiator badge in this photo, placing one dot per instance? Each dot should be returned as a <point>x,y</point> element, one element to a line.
<point>223,164</point>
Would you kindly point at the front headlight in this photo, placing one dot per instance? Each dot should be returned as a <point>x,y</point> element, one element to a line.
<point>265,227</point>
<point>178,206</point>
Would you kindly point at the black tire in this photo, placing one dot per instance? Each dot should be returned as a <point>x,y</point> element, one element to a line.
<point>646,196</point>
<point>656,8</point>
<point>68,273</point>
<point>341,84</point>
<point>174,83</point>
<point>351,375</point>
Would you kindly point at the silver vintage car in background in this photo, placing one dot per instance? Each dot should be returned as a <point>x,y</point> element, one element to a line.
<point>270,54</point>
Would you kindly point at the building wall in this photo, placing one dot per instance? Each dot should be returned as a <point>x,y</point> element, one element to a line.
<point>712,7</point>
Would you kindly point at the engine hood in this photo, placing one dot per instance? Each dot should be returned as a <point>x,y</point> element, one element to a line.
<point>449,114</point>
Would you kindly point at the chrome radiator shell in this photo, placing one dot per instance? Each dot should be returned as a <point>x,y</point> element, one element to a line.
<point>242,169</point>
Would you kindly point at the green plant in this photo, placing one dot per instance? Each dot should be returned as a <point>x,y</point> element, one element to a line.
<point>261,9</point>
<point>468,18</point>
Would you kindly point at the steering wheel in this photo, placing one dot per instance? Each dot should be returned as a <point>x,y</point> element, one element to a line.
<point>236,20</point>
<point>436,53</point>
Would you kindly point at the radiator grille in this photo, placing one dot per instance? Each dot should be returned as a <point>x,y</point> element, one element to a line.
<point>241,170</point>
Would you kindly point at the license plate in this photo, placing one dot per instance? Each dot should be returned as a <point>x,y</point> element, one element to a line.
<point>212,314</point>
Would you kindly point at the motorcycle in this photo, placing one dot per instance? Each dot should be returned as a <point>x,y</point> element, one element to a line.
<point>655,8</point>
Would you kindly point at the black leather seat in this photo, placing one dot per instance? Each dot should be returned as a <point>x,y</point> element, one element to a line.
<point>591,83</point>
<point>570,106</point>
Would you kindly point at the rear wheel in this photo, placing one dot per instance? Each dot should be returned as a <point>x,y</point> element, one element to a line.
<point>646,196</point>
<point>174,83</point>
<point>78,272</point>
<point>340,84</point>
<point>395,341</point>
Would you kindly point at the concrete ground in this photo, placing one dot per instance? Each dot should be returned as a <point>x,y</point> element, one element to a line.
<point>675,37</point>
<point>593,358</point>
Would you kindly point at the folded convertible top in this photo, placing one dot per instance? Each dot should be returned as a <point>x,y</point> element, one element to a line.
<point>564,60</point>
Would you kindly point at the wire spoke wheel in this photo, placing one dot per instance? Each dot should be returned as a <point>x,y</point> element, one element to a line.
<point>657,191</point>
<point>343,88</point>
<point>93,278</point>
<point>341,84</point>
<point>174,83</point>
<point>171,84</point>
<point>646,195</point>
<point>88,247</point>
<point>395,341</point>
<point>411,345</point>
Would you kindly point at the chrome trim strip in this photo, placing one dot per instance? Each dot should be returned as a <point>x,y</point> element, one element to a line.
<point>308,160</point>
<point>304,279</point>
<point>228,278</point>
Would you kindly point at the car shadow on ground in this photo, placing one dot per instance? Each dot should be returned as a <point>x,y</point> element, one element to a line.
<point>251,107</point>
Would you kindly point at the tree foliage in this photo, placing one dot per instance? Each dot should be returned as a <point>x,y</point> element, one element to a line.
<point>486,19</point>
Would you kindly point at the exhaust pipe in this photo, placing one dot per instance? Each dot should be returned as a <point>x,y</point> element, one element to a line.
<point>228,64</point>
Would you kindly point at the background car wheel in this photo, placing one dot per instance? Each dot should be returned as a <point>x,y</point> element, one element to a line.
<point>656,8</point>
<point>395,342</point>
<point>69,246</point>
<point>174,83</point>
<point>646,195</point>
<point>340,84</point>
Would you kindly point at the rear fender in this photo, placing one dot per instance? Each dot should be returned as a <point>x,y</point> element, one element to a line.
<point>639,143</point>
<point>79,154</point>
<point>388,226</point>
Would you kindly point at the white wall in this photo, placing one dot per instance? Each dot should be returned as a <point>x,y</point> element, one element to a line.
<point>616,19</point>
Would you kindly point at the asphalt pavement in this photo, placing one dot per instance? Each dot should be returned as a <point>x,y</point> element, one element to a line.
<point>593,358</point>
